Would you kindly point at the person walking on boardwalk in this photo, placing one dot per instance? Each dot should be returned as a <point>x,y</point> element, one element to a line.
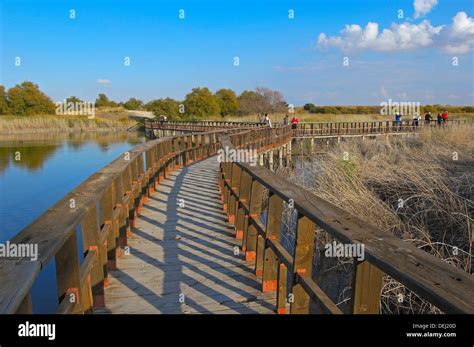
<point>398,119</point>
<point>416,120</point>
<point>286,120</point>
<point>444,116</point>
<point>428,118</point>
<point>294,122</point>
<point>439,119</point>
<point>267,121</point>
<point>162,119</point>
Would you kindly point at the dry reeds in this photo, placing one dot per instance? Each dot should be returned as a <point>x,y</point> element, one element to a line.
<point>418,188</point>
<point>39,124</point>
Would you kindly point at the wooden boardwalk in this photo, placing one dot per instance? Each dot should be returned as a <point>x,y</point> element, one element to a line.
<point>181,254</point>
<point>185,252</point>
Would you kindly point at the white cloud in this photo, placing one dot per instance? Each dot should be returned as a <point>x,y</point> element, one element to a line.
<point>423,7</point>
<point>405,36</point>
<point>457,38</point>
<point>103,81</point>
<point>460,35</point>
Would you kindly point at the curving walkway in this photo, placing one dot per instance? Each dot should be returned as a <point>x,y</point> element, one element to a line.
<point>185,253</point>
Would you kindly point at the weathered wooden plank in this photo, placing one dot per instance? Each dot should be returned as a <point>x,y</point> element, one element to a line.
<point>303,260</point>
<point>273,229</point>
<point>439,282</point>
<point>185,250</point>
<point>12,293</point>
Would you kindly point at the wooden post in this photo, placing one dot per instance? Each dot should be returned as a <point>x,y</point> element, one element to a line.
<point>250,232</point>
<point>367,287</point>
<point>234,182</point>
<point>67,273</point>
<point>244,197</point>
<point>302,263</point>
<point>90,241</point>
<point>282,289</point>
<point>272,233</point>
<point>107,204</point>
<point>121,233</point>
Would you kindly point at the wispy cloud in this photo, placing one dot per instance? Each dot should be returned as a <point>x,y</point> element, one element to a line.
<point>423,7</point>
<point>103,81</point>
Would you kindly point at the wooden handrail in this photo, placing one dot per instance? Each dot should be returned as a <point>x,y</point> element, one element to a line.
<point>434,280</point>
<point>303,129</point>
<point>106,206</point>
<point>117,191</point>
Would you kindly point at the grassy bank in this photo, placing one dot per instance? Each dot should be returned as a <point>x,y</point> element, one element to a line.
<point>41,124</point>
<point>418,188</point>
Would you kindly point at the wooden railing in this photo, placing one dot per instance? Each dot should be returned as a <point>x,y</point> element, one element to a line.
<point>309,129</point>
<point>104,206</point>
<point>198,126</point>
<point>242,188</point>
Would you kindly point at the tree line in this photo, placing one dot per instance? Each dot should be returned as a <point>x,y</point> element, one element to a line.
<point>312,108</point>
<point>26,99</point>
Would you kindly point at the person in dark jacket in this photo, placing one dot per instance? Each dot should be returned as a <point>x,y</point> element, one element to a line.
<point>428,118</point>
<point>439,119</point>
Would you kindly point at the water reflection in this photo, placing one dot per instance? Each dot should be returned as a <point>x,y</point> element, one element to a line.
<point>31,151</point>
<point>49,166</point>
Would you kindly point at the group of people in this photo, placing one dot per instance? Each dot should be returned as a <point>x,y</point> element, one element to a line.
<point>286,120</point>
<point>441,119</point>
<point>163,119</point>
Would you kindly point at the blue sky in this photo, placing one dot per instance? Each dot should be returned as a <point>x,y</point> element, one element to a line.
<point>169,56</point>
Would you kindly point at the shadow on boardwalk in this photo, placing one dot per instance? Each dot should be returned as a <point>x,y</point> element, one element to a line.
<point>182,257</point>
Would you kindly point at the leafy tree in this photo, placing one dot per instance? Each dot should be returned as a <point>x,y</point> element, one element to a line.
<point>168,107</point>
<point>310,107</point>
<point>73,99</point>
<point>251,102</point>
<point>227,100</point>
<point>200,103</point>
<point>133,104</point>
<point>103,101</point>
<point>3,101</point>
<point>26,99</point>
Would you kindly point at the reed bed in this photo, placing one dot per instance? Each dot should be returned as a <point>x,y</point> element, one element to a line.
<point>41,124</point>
<point>418,188</point>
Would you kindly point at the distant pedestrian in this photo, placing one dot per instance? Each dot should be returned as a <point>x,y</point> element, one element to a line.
<point>416,120</point>
<point>162,119</point>
<point>439,119</point>
<point>267,121</point>
<point>428,118</point>
<point>294,122</point>
<point>398,119</point>
<point>444,116</point>
<point>286,120</point>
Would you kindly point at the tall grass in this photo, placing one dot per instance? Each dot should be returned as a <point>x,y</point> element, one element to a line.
<point>419,189</point>
<point>38,124</point>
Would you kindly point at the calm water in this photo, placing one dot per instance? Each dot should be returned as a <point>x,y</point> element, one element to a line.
<point>48,167</point>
